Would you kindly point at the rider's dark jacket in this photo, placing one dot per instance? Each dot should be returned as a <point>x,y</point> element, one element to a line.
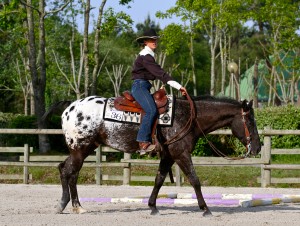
<point>146,68</point>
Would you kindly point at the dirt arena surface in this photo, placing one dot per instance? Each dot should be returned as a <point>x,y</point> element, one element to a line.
<point>36,205</point>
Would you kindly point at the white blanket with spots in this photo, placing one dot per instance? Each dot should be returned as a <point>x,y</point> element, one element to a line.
<point>110,113</point>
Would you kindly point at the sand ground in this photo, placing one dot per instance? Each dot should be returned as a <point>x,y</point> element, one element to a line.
<point>36,205</point>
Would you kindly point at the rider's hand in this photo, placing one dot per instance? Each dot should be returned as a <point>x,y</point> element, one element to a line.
<point>183,91</point>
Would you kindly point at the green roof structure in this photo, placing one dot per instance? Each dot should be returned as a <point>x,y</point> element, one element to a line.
<point>247,81</point>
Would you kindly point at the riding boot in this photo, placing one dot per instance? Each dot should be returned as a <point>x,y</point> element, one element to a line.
<point>145,147</point>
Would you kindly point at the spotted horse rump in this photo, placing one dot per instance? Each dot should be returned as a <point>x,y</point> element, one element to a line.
<point>82,119</point>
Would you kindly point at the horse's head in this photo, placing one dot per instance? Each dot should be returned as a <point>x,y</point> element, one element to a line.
<point>244,128</point>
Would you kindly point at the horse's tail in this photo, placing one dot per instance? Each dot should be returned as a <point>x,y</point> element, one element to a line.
<point>171,176</point>
<point>56,108</point>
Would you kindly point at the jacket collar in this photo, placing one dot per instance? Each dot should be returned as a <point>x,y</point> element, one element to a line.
<point>146,51</point>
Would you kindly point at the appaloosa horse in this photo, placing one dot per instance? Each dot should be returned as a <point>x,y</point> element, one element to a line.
<point>85,129</point>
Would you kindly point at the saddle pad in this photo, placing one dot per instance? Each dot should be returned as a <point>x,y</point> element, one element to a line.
<point>110,113</point>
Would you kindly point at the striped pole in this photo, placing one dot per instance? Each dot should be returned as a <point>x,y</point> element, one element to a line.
<point>243,200</point>
<point>271,201</point>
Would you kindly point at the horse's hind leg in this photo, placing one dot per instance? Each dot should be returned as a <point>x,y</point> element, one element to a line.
<point>69,171</point>
<point>164,167</point>
<point>65,187</point>
<point>186,165</point>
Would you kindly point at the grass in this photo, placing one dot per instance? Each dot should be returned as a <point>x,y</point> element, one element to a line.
<point>225,176</point>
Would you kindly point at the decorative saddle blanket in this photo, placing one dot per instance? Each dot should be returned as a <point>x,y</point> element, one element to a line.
<point>110,113</point>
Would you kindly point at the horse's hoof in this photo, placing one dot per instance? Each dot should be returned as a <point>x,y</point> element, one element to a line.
<point>79,209</point>
<point>59,210</point>
<point>207,213</point>
<point>154,211</point>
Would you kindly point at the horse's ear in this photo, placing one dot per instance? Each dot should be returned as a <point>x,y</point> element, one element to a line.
<point>244,104</point>
<point>250,104</point>
<point>247,105</point>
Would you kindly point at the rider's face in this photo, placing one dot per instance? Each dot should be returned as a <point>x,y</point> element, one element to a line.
<point>151,43</point>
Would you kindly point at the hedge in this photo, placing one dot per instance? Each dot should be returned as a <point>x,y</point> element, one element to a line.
<point>279,118</point>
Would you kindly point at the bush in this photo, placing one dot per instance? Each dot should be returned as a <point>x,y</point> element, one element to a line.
<point>22,122</point>
<point>11,121</point>
<point>280,118</point>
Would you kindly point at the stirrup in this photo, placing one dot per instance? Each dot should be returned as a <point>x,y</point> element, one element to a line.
<point>146,148</point>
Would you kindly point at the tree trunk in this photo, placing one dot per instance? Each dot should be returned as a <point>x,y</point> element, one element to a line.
<point>192,59</point>
<point>96,50</point>
<point>255,84</point>
<point>31,100</point>
<point>214,39</point>
<point>38,77</point>
<point>223,55</point>
<point>40,83</point>
<point>86,47</point>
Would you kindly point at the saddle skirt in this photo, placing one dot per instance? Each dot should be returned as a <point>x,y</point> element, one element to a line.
<point>126,109</point>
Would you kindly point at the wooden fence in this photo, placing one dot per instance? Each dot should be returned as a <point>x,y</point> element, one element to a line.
<point>264,162</point>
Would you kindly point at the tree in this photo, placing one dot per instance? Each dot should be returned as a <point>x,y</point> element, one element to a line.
<point>86,47</point>
<point>37,62</point>
<point>11,39</point>
<point>24,80</point>
<point>184,9</point>
<point>116,77</point>
<point>75,81</point>
<point>282,20</point>
<point>108,23</point>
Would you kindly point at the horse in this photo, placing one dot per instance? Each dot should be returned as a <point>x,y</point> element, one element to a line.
<point>85,128</point>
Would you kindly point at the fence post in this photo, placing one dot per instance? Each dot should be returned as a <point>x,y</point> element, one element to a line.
<point>98,162</point>
<point>178,177</point>
<point>127,170</point>
<point>266,157</point>
<point>26,160</point>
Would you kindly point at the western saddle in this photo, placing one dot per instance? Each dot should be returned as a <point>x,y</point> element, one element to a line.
<point>128,103</point>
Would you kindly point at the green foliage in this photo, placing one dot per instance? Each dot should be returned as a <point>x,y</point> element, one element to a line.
<point>115,22</point>
<point>228,145</point>
<point>11,121</point>
<point>202,147</point>
<point>173,37</point>
<point>21,122</point>
<point>280,118</point>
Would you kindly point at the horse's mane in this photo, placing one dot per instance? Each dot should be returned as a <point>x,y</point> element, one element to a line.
<point>214,99</point>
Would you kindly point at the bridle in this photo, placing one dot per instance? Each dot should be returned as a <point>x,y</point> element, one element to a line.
<point>186,129</point>
<point>247,133</point>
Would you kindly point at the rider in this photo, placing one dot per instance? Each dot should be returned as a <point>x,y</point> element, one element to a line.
<point>144,69</point>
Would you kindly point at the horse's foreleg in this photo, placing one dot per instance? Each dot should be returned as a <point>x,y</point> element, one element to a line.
<point>186,165</point>
<point>164,167</point>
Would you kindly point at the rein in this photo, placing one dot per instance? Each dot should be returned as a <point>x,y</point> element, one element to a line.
<point>188,126</point>
<point>186,129</point>
<point>221,154</point>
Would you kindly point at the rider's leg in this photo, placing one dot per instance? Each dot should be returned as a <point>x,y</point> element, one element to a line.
<point>141,92</point>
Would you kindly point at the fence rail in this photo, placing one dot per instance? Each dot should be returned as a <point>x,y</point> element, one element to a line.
<point>97,161</point>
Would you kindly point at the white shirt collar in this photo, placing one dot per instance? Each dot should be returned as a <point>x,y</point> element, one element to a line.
<point>146,51</point>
